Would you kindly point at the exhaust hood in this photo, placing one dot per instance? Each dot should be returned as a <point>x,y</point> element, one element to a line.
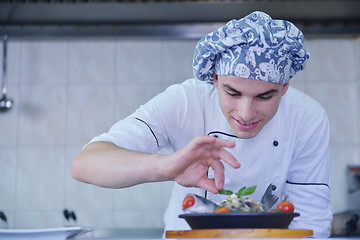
<point>171,18</point>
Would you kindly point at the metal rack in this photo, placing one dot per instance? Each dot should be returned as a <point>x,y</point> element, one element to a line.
<point>170,18</point>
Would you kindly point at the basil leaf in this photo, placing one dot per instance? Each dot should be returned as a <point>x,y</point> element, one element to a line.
<point>240,192</point>
<point>246,191</point>
<point>226,192</point>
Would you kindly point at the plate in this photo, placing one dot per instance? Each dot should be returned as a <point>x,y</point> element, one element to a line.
<point>45,233</point>
<point>239,220</point>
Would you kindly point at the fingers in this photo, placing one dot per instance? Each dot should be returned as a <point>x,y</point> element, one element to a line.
<point>224,143</point>
<point>208,184</point>
<point>194,160</point>
<point>220,153</point>
<point>228,158</point>
<point>218,142</point>
<point>217,148</point>
<point>218,168</point>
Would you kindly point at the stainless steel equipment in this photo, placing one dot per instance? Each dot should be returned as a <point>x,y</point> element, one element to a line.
<point>5,103</point>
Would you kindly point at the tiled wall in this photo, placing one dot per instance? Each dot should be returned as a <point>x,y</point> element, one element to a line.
<point>68,90</point>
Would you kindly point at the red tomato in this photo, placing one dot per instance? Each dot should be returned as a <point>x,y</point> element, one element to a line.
<point>188,202</point>
<point>285,206</point>
<point>222,210</point>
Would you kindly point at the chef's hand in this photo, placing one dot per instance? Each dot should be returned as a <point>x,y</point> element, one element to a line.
<point>189,166</point>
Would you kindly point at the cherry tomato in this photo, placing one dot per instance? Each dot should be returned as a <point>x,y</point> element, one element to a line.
<point>285,206</point>
<point>222,210</point>
<point>188,202</point>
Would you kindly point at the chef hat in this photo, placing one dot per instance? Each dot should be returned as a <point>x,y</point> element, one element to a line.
<point>255,47</point>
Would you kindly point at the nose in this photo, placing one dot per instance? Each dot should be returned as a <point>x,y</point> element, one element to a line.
<point>247,110</point>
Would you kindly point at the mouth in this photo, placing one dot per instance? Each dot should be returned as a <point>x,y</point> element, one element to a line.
<point>245,126</point>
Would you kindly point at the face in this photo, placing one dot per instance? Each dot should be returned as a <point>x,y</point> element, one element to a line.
<point>248,104</point>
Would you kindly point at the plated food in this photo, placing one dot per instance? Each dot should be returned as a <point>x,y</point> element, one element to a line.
<point>193,203</point>
<point>235,211</point>
<point>238,204</point>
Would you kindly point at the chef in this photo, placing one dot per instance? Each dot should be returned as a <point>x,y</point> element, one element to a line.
<point>237,123</point>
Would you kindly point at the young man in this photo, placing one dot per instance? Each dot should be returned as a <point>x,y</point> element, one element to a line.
<point>241,125</point>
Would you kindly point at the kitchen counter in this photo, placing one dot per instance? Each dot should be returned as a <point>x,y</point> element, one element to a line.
<point>157,234</point>
<point>342,238</point>
<point>121,234</point>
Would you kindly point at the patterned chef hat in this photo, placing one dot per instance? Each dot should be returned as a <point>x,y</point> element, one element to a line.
<point>255,47</point>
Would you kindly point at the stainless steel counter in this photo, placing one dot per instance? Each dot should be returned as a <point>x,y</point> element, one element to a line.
<point>116,233</point>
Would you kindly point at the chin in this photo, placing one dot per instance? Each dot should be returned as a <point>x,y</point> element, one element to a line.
<point>246,135</point>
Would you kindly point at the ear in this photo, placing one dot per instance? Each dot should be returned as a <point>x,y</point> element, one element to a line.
<point>215,79</point>
<point>286,87</point>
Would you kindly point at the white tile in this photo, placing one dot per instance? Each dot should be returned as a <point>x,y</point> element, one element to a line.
<point>7,179</point>
<point>39,179</point>
<point>340,102</point>
<point>299,78</point>
<point>143,197</point>
<point>42,114</point>
<point>166,190</point>
<point>301,86</point>
<point>357,59</point>
<point>80,196</point>
<point>139,61</point>
<point>131,97</point>
<point>44,61</point>
<point>90,112</point>
<point>137,219</point>
<point>38,219</point>
<point>333,59</point>
<point>93,219</point>
<point>178,60</point>
<point>91,61</point>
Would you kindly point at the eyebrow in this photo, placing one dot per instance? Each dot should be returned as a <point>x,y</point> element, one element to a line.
<point>269,92</point>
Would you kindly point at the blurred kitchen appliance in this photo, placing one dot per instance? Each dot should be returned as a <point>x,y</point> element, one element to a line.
<point>347,223</point>
<point>353,175</point>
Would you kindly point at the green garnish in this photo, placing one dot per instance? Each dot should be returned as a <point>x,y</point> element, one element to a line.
<point>246,191</point>
<point>225,192</point>
<point>242,192</point>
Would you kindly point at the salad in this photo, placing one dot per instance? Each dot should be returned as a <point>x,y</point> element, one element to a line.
<point>236,202</point>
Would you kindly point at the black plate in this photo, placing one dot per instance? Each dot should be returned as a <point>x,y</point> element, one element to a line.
<point>239,220</point>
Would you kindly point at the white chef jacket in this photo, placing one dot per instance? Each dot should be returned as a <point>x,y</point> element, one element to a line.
<point>291,151</point>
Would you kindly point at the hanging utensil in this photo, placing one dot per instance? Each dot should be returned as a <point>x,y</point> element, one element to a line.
<point>5,103</point>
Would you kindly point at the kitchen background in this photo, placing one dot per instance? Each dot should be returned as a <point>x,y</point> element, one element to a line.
<point>68,90</point>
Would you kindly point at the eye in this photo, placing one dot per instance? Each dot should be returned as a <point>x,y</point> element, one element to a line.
<point>232,94</point>
<point>267,97</point>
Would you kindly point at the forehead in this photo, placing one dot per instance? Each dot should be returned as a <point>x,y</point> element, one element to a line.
<point>247,86</point>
